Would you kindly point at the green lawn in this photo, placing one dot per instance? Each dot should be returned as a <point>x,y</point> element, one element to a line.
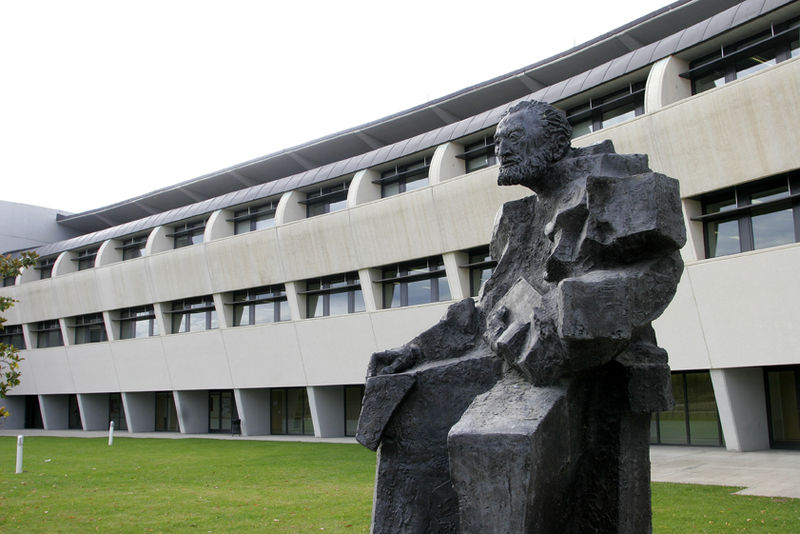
<point>202,485</point>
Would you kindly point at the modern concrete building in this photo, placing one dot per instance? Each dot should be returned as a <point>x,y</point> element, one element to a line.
<point>259,292</point>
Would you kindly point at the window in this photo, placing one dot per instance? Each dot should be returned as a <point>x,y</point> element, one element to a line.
<point>133,247</point>
<point>326,199</point>
<point>414,282</point>
<point>193,315</point>
<point>743,58</point>
<point>353,396</point>
<point>783,406</point>
<point>752,216</point>
<point>166,414</point>
<point>403,178</point>
<point>85,258</point>
<point>290,412</point>
<point>221,410</point>
<point>480,268</point>
<point>45,267</point>
<point>12,335</point>
<point>607,111</point>
<point>479,154</point>
<point>74,417</point>
<point>333,295</point>
<point>137,322</point>
<point>116,411</point>
<point>254,218</point>
<point>188,234</point>
<point>694,419</point>
<point>260,305</point>
<point>48,334</point>
<point>89,328</point>
<point>9,281</point>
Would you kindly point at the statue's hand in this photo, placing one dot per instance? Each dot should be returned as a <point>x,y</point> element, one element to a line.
<point>393,361</point>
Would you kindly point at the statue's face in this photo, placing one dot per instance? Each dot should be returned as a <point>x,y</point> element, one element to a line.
<point>520,146</point>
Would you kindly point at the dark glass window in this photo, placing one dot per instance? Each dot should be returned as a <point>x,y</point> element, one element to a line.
<point>254,218</point>
<point>743,58</point>
<point>326,199</point>
<point>33,412</point>
<point>694,420</point>
<point>137,322</point>
<point>599,113</point>
<point>133,247</point>
<point>166,414</point>
<point>783,406</point>
<point>479,154</point>
<point>9,281</point>
<point>45,267</point>
<point>85,258</point>
<point>414,282</point>
<point>260,305</point>
<point>12,335</point>
<point>353,396</point>
<point>187,234</point>
<point>333,295</point>
<point>290,412</point>
<point>116,411</point>
<point>221,410</point>
<point>752,216</point>
<point>480,268</point>
<point>193,315</point>
<point>403,178</point>
<point>74,417</point>
<point>89,328</point>
<point>48,334</point>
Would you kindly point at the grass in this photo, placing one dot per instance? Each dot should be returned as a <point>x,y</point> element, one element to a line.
<point>202,485</point>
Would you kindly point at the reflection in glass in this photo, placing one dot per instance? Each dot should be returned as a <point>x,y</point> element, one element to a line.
<point>703,420</point>
<point>784,406</point>
<point>773,228</point>
<point>723,238</point>
<point>673,422</point>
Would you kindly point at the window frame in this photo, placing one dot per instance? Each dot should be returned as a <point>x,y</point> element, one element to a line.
<point>184,235</point>
<point>406,272</point>
<point>349,283</point>
<point>745,210</point>
<point>47,328</point>
<point>248,299</point>
<point>86,257</point>
<point>401,173</point>
<point>476,265</point>
<point>137,314</point>
<point>483,150</point>
<point>595,109</point>
<point>192,306</point>
<point>253,215</point>
<point>326,197</point>
<point>12,335</point>
<point>85,325</point>
<point>133,247</point>
<point>45,267</point>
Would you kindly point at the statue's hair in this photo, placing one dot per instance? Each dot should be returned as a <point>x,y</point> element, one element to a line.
<point>559,130</point>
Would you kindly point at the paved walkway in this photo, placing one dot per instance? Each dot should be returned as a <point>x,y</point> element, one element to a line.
<point>771,473</point>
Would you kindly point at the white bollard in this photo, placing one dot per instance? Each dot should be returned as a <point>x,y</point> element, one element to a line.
<point>19,454</point>
<point>111,434</point>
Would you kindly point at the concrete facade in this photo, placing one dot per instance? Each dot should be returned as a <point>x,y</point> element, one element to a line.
<point>732,316</point>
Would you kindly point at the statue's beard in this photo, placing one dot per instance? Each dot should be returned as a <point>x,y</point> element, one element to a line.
<point>524,172</point>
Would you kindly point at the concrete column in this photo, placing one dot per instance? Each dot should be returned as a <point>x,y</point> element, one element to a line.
<point>224,313</point>
<point>158,241</point>
<point>289,208</point>
<point>108,253</point>
<point>742,406</point>
<point>457,277</point>
<point>296,302</point>
<point>664,85</point>
<point>140,411</point>
<point>15,405</point>
<point>192,408</point>
<point>362,190</point>
<point>163,320</point>
<point>94,410</point>
<point>445,164</point>
<point>55,411</point>
<point>370,290</point>
<point>64,264</point>
<point>218,226</point>
<point>327,410</point>
<point>253,406</point>
<point>30,337</point>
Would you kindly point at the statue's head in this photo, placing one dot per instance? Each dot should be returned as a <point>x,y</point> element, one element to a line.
<point>530,137</point>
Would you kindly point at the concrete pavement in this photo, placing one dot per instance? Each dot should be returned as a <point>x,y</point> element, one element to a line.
<point>771,473</point>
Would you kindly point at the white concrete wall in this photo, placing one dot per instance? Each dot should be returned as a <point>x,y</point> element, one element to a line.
<point>253,408</point>
<point>327,410</point>
<point>192,408</point>
<point>742,407</point>
<point>94,410</point>
<point>140,411</point>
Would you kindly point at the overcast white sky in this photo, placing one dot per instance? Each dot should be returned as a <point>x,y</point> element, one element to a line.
<point>101,101</point>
